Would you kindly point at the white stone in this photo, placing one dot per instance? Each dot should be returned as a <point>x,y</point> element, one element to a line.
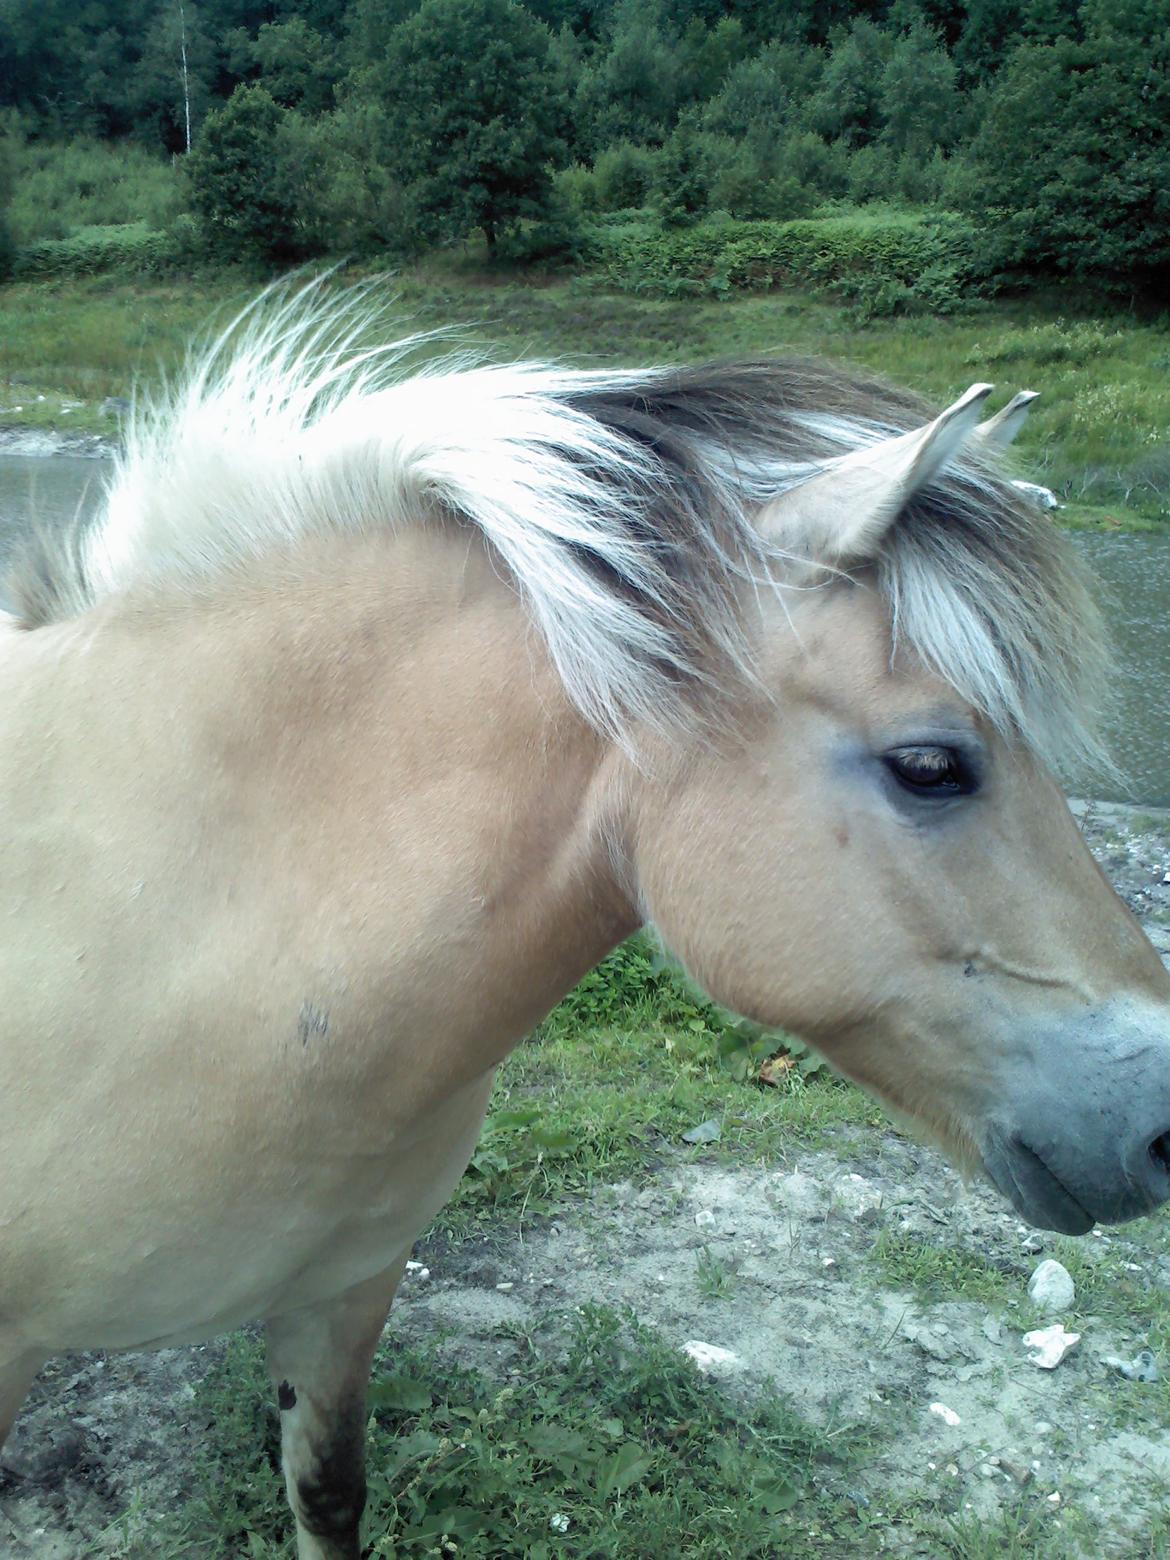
<point>710,1356</point>
<point>1051,1287</point>
<point>947,1415</point>
<point>1043,496</point>
<point>1047,1346</point>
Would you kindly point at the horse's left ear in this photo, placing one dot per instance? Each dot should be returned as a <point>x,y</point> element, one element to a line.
<point>840,515</point>
<point>999,431</point>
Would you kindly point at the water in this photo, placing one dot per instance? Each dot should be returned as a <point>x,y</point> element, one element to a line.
<point>52,487</point>
<point>1134,572</point>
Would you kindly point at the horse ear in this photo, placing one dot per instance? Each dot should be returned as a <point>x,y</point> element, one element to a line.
<point>999,431</point>
<point>841,514</point>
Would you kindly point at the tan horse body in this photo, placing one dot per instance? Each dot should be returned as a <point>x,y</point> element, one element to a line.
<point>297,851</point>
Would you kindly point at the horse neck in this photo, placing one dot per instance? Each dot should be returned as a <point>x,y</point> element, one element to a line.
<point>403,675</point>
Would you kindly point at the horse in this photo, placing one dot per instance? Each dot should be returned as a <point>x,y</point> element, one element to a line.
<point>383,697</point>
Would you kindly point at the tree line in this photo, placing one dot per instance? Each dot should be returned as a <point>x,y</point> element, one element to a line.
<point>303,127</point>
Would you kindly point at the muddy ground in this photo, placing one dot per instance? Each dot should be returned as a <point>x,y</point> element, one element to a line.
<point>773,1264</point>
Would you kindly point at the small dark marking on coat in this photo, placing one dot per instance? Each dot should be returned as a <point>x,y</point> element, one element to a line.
<point>312,1022</point>
<point>969,968</point>
<point>286,1397</point>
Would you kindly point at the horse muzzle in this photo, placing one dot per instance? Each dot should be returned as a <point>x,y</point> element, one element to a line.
<point>1085,1137</point>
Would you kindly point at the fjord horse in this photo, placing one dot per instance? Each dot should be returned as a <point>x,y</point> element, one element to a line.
<point>375,708</point>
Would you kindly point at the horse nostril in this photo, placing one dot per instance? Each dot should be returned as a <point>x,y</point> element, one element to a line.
<point>1160,1153</point>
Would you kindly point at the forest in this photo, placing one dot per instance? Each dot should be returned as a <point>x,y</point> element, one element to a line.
<point>906,153</point>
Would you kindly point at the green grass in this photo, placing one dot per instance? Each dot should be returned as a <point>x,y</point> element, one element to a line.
<point>601,1426</point>
<point>629,1061</point>
<point>1098,435</point>
<point>937,1271</point>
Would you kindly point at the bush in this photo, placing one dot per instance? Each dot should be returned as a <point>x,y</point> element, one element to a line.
<point>240,193</point>
<point>130,247</point>
<point>890,263</point>
<point>576,186</point>
<point>558,238</point>
<point>61,187</point>
<point>625,176</point>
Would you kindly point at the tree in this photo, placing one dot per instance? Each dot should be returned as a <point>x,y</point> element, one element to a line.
<point>168,89</point>
<point>1070,171</point>
<point>631,92</point>
<point>249,178</point>
<point>472,113</point>
<point>919,101</point>
<point>848,104</point>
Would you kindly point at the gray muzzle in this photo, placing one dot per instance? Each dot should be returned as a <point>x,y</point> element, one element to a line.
<point>1084,1137</point>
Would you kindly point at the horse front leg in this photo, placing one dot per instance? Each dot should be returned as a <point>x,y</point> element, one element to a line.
<point>16,1376</point>
<point>319,1358</point>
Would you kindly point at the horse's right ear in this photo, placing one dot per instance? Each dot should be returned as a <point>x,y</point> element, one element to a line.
<point>840,515</point>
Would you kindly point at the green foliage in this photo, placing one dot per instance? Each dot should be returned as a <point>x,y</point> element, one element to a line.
<point>58,187</point>
<point>472,114</point>
<point>883,264</point>
<point>131,248</point>
<point>919,99</point>
<point>626,176</point>
<point>1046,121</point>
<point>767,91</point>
<point>610,1429</point>
<point>631,91</point>
<point>684,177</point>
<point>847,105</point>
<point>7,175</point>
<point>296,64</point>
<point>1071,168</point>
<point>252,175</point>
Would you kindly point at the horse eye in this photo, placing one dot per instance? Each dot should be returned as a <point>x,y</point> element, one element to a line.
<point>931,771</point>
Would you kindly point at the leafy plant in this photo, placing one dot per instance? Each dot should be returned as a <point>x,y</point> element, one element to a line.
<point>601,1445</point>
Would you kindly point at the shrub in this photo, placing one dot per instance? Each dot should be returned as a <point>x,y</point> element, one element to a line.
<point>242,192</point>
<point>130,247</point>
<point>61,187</point>
<point>625,176</point>
<point>891,263</point>
<point>576,186</point>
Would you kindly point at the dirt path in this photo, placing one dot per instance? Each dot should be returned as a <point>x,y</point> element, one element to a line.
<point>838,1278</point>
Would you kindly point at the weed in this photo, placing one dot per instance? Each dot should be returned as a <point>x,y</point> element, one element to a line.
<point>934,1270</point>
<point>716,1276</point>
<point>601,1446</point>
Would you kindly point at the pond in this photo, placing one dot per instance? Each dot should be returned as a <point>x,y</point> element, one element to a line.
<point>1133,571</point>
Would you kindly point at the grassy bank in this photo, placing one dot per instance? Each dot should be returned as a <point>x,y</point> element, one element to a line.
<point>1100,435</point>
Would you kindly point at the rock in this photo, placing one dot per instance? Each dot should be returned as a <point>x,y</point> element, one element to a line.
<point>860,1200</point>
<point>710,1356</point>
<point>1051,1287</point>
<point>1047,1346</point>
<point>30,1460</point>
<point>976,1368</point>
<point>937,1340</point>
<point>947,1415</point>
<point>1042,496</point>
<point>1017,1471</point>
<point>799,1195</point>
<point>1143,1366</point>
